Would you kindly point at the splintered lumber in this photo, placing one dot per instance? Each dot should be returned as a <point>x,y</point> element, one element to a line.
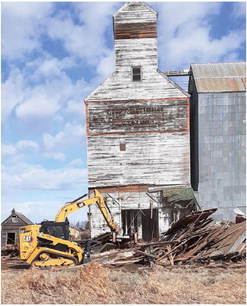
<point>198,240</point>
<point>191,239</point>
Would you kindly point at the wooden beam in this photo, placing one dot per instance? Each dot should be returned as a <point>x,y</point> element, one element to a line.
<point>185,72</point>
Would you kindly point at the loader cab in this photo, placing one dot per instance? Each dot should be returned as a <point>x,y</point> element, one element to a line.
<point>56,229</point>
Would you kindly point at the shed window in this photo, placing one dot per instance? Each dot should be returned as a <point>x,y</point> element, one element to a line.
<point>136,73</point>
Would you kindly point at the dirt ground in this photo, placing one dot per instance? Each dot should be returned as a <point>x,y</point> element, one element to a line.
<point>95,283</point>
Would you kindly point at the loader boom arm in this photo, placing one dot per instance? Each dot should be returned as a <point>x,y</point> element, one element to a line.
<point>78,204</point>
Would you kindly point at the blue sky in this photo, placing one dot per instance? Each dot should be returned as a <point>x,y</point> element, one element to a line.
<point>53,55</point>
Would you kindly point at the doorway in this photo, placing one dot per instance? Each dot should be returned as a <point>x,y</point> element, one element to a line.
<point>150,226</point>
<point>146,220</point>
<point>10,238</point>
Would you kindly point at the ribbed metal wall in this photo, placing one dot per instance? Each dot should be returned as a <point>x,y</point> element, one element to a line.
<point>219,138</point>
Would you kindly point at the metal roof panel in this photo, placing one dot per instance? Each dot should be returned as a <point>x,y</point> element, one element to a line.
<point>220,77</point>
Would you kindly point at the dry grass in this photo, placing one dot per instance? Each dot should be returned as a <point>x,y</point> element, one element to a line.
<point>98,284</point>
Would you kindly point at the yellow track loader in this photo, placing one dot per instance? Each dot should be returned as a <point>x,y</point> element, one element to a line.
<point>47,244</point>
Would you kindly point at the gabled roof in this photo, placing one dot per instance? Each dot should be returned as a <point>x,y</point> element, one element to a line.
<point>219,77</point>
<point>20,215</point>
<point>140,10</point>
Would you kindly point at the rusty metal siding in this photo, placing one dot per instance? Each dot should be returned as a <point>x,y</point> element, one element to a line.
<point>219,77</point>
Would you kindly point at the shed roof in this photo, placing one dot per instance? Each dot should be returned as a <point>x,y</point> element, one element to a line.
<point>219,77</point>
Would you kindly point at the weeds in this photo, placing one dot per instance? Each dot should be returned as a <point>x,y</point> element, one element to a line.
<point>97,284</point>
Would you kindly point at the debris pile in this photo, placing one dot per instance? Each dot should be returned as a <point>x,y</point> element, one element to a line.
<point>191,239</point>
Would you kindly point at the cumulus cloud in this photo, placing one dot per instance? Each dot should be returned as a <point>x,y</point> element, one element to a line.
<point>26,144</point>
<point>25,176</point>
<point>40,104</point>
<point>239,9</point>
<point>106,65</point>
<point>13,92</point>
<point>76,162</point>
<point>58,156</point>
<point>85,39</point>
<point>186,35</point>
<point>22,25</point>
<point>43,89</point>
<point>8,150</point>
<point>13,150</point>
<point>71,135</point>
<point>36,211</point>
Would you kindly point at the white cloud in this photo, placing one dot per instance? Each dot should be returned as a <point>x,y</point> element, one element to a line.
<point>71,135</point>
<point>13,92</point>
<point>75,107</point>
<point>36,211</point>
<point>76,163</point>
<point>85,40</point>
<point>8,150</point>
<point>186,35</point>
<point>25,176</point>
<point>25,144</point>
<point>106,66</point>
<point>22,25</point>
<point>51,67</point>
<point>40,104</point>
<point>239,9</point>
<point>58,156</point>
<point>43,90</point>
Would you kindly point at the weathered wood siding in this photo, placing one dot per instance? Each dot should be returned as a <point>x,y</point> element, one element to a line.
<point>135,12</point>
<point>137,131</point>
<point>138,116</point>
<point>133,30</point>
<point>136,52</point>
<point>155,158</point>
<point>131,52</point>
<point>120,86</point>
<point>8,226</point>
<point>123,200</point>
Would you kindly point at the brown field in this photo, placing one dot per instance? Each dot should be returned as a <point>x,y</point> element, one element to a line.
<point>95,283</point>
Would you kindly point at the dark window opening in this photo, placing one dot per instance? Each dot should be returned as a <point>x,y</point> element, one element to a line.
<point>136,73</point>
<point>122,147</point>
<point>10,238</point>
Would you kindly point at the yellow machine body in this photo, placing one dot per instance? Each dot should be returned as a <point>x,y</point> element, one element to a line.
<point>47,244</point>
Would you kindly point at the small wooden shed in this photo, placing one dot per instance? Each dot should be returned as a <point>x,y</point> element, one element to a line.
<point>10,228</point>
